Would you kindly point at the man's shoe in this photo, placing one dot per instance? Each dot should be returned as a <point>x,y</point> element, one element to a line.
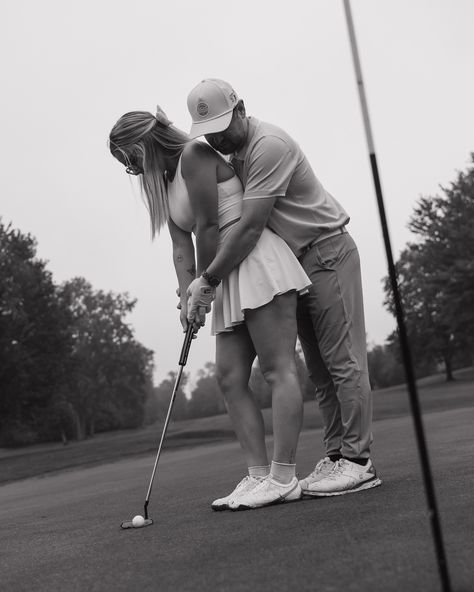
<point>345,477</point>
<point>243,486</point>
<point>267,493</point>
<point>321,470</point>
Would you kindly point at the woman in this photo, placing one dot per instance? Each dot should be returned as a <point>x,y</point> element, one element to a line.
<point>192,188</point>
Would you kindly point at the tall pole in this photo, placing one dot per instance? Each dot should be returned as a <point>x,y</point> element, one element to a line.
<point>402,333</point>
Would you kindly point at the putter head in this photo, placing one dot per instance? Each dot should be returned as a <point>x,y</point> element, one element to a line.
<point>129,523</point>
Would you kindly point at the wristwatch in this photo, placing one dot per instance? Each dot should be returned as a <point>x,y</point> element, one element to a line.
<point>212,280</point>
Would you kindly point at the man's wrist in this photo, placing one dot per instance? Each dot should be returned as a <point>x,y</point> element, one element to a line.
<point>212,280</point>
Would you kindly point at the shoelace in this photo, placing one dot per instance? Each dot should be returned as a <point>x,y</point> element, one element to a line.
<point>245,481</point>
<point>264,481</point>
<point>318,467</point>
<point>240,486</point>
<point>337,469</point>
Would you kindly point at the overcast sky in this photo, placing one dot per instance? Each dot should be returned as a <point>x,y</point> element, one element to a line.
<point>71,69</point>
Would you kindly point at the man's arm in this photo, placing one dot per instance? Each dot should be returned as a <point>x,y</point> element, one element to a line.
<point>270,169</point>
<point>243,237</point>
<point>236,247</point>
<point>269,173</point>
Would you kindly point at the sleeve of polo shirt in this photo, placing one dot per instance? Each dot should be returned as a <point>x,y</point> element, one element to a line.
<point>270,169</point>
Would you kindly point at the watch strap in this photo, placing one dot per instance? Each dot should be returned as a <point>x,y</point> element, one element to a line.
<point>212,280</point>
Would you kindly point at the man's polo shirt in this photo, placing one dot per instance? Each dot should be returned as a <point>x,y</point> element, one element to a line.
<point>271,164</point>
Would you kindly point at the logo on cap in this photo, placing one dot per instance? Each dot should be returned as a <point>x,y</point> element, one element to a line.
<point>233,97</point>
<point>202,109</point>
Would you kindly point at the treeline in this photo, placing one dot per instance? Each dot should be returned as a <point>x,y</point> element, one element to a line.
<point>436,278</point>
<point>69,363</point>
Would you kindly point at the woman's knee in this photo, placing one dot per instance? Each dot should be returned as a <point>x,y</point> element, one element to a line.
<point>277,373</point>
<point>231,379</point>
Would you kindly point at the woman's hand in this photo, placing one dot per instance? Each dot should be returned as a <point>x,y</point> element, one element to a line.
<point>182,306</point>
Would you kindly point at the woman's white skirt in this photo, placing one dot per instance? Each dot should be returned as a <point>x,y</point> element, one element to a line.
<point>269,270</point>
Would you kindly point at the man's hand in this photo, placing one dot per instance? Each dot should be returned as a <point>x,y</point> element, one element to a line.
<point>200,296</point>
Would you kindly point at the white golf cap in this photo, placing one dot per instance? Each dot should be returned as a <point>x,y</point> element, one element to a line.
<point>210,104</point>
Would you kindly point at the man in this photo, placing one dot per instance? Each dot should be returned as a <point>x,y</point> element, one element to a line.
<point>282,192</point>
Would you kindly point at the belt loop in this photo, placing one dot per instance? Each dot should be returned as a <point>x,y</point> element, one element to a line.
<point>340,230</point>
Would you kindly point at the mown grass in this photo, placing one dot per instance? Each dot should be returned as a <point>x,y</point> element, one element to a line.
<point>434,393</point>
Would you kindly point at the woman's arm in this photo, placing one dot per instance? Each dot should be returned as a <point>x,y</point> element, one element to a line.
<point>184,264</point>
<point>199,169</point>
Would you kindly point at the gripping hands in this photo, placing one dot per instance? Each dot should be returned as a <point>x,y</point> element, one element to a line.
<point>200,296</point>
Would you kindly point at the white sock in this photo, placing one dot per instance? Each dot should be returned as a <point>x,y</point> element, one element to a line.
<point>282,472</point>
<point>259,471</point>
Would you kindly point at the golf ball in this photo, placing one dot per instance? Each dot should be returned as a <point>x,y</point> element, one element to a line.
<point>138,521</point>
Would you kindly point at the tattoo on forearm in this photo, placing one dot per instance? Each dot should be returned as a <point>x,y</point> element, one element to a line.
<point>192,271</point>
<point>179,258</point>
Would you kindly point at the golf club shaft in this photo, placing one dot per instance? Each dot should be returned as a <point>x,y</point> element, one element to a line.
<point>183,358</point>
<point>182,362</point>
<point>402,333</point>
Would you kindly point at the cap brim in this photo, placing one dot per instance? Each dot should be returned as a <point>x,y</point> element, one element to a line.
<point>219,124</point>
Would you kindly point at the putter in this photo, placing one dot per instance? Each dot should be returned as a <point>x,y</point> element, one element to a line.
<point>182,362</point>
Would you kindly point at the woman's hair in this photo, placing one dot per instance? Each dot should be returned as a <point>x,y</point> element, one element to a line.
<point>141,134</point>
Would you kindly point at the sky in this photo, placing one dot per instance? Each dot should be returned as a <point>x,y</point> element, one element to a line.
<point>71,69</point>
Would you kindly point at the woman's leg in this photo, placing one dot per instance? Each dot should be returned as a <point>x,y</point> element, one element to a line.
<point>273,331</point>
<point>235,354</point>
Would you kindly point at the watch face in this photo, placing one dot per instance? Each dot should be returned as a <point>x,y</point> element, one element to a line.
<point>211,279</point>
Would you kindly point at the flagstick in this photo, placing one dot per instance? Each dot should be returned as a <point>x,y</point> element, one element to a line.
<point>405,348</point>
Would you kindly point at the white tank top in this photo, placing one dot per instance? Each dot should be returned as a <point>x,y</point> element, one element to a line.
<point>229,202</point>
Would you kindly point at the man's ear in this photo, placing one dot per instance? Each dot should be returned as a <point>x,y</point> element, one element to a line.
<point>241,108</point>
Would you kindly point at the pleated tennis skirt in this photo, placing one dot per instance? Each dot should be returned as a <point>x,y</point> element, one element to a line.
<point>269,270</point>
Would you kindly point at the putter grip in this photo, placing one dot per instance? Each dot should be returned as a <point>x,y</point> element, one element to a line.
<point>183,358</point>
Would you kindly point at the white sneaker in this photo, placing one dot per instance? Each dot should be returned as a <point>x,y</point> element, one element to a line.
<point>267,493</point>
<point>321,470</point>
<point>345,477</point>
<point>243,486</point>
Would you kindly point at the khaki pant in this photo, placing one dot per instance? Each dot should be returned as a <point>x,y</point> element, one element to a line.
<point>331,330</point>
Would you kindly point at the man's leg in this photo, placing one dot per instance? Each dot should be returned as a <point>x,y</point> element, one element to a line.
<point>326,396</point>
<point>336,306</point>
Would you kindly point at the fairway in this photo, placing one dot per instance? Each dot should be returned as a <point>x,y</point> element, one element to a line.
<point>61,532</point>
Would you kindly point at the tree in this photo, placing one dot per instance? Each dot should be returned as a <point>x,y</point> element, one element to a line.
<point>385,368</point>
<point>206,398</point>
<point>111,371</point>
<point>436,275</point>
<point>69,363</point>
<point>162,396</point>
<point>444,226</point>
<point>35,340</point>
